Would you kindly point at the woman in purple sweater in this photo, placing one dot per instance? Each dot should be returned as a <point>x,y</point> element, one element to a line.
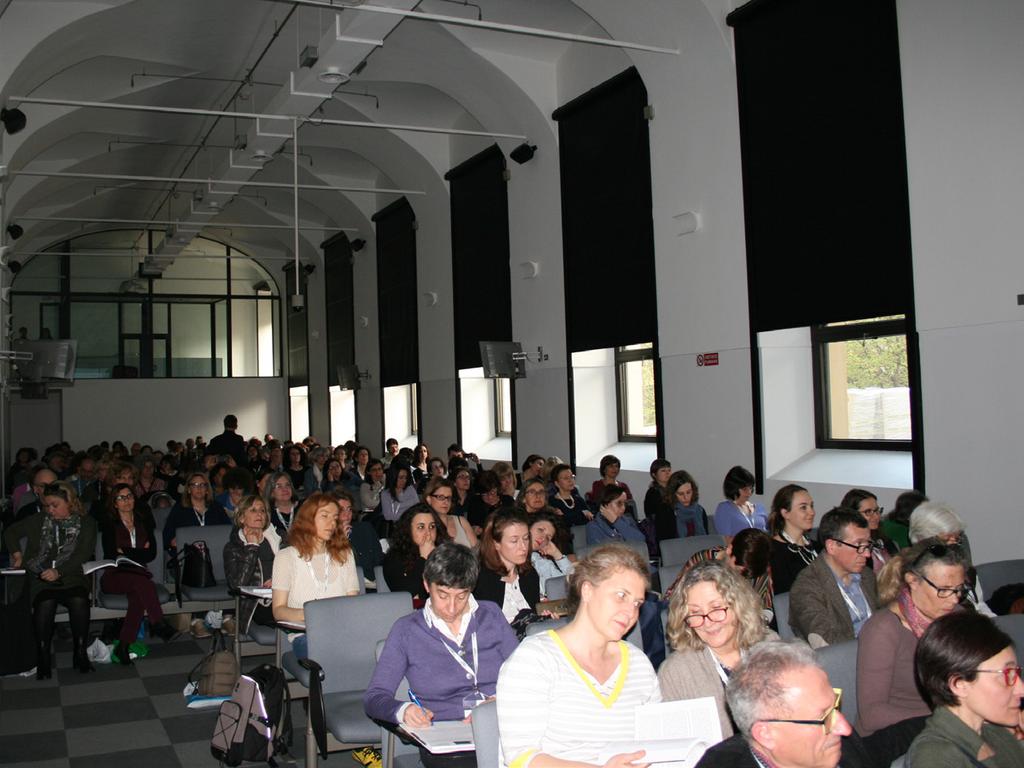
<point>450,652</point>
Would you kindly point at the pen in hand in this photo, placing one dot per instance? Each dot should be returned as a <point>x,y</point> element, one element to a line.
<point>419,721</point>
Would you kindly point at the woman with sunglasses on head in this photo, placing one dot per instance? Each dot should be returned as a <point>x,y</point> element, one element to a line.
<point>967,669</point>
<point>918,586</point>
<point>197,507</point>
<point>565,694</point>
<point>714,618</point>
<point>935,519</point>
<point>882,547</point>
<point>58,540</point>
<point>129,531</point>
<point>438,495</point>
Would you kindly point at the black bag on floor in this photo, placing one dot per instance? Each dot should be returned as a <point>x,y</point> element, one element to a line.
<point>17,635</point>
<point>256,724</point>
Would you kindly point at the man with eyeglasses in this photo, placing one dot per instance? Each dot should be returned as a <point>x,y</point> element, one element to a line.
<point>835,595</point>
<point>787,715</point>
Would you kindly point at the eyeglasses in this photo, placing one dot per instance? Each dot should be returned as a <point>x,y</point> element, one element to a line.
<point>945,591</point>
<point>442,497</point>
<point>1010,674</point>
<point>715,615</point>
<point>875,511</point>
<point>536,492</point>
<point>862,549</point>
<point>828,721</point>
<point>124,497</point>
<point>283,485</point>
<point>198,485</point>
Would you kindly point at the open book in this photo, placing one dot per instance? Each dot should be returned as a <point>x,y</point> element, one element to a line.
<point>444,736</point>
<point>96,565</point>
<point>674,734</point>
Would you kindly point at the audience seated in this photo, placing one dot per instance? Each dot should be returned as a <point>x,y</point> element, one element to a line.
<point>714,619</point>
<point>295,466</point>
<point>356,474</point>
<point>534,497</point>
<point>196,507</point>
<point>413,538</point>
<point>507,482</point>
<point>438,495</point>
<point>237,485</point>
<point>360,534</point>
<point>450,652</point>
<point>486,500</point>
<point>399,492</point>
<point>565,694</point>
<point>506,575</point>
<point>787,716</point>
<point>313,479</point>
<point>738,511</point>
<point>934,519</point>
<point>835,595</point>
<point>882,547</point>
<point>532,469</point>
<point>791,518</point>
<point>609,469</point>
<point>896,524</point>
<point>967,669</point>
<point>462,480</point>
<point>128,530</point>
<point>31,501</point>
<point>58,541</point>
<point>333,471</point>
<point>369,490</point>
<point>566,499</point>
<point>281,499</point>
<point>918,586</point>
<point>682,496</point>
<point>418,463</point>
<point>611,522</point>
<point>249,559</point>
<point>317,563</point>
<point>148,482</point>
<point>546,556</point>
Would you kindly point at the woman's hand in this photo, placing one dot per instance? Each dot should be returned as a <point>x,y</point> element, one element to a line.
<point>50,574</point>
<point>589,515</point>
<point>267,583</point>
<point>548,549</point>
<point>426,548</point>
<point>15,559</point>
<point>417,717</point>
<point>627,760</point>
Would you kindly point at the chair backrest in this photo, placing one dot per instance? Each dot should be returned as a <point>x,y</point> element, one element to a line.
<point>579,538</point>
<point>992,576</point>
<point>543,626</point>
<point>1013,625</point>
<point>639,546</point>
<point>382,583</point>
<point>557,587</point>
<point>678,551</point>
<point>840,662</point>
<point>664,631</point>
<point>215,536</point>
<point>485,735</point>
<point>667,575</point>
<point>343,633</point>
<point>781,605</point>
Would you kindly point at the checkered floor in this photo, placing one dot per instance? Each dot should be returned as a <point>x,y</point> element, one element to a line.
<point>117,715</point>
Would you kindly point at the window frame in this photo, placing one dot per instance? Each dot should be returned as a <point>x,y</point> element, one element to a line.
<point>623,356</point>
<point>499,398</point>
<point>821,337</point>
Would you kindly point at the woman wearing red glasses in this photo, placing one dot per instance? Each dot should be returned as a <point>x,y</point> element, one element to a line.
<point>967,668</point>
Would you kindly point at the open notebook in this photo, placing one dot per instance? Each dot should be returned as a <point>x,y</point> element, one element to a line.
<point>674,734</point>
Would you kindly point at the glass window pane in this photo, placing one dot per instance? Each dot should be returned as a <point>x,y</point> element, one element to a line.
<point>94,324</point>
<point>104,274</point>
<point>161,314</point>
<point>343,415</point>
<point>504,410</point>
<point>869,389</point>
<point>267,331</point>
<point>190,340</point>
<point>132,353</point>
<point>131,318</point>
<point>299,399</point>
<point>244,339</point>
<point>248,278</point>
<point>191,275</point>
<point>25,314</point>
<point>38,273</point>
<point>220,311</point>
<point>160,361</point>
<point>638,391</point>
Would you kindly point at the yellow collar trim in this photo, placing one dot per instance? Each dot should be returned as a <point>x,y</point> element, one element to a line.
<point>611,698</point>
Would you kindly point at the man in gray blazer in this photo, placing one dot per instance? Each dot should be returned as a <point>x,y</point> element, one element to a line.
<point>834,595</point>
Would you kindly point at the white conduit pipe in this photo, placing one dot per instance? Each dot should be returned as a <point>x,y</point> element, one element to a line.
<point>185,225</point>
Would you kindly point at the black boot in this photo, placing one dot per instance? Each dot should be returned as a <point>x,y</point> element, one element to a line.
<point>43,659</point>
<point>164,630</point>
<point>80,659</point>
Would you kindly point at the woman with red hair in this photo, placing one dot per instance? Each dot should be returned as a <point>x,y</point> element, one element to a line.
<point>318,563</point>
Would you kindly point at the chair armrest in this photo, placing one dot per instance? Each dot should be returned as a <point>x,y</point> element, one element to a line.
<point>313,667</point>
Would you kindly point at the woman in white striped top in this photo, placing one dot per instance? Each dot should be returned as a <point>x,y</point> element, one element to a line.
<point>564,694</point>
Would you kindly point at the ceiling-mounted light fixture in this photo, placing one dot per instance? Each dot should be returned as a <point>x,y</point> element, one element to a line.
<point>260,155</point>
<point>13,120</point>
<point>309,56</point>
<point>523,153</point>
<point>333,76</point>
<point>15,231</point>
<point>358,244</point>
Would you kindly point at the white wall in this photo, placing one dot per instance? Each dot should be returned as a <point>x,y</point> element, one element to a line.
<point>157,410</point>
<point>963,97</point>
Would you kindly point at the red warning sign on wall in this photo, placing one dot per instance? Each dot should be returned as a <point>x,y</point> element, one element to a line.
<point>708,358</point>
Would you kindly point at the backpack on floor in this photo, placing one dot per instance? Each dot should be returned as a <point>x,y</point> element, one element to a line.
<point>256,723</point>
<point>217,672</point>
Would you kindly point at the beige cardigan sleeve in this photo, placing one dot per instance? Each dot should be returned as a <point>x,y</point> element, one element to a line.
<point>688,674</point>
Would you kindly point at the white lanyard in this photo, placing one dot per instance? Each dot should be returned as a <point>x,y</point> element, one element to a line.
<point>321,584</point>
<point>471,672</point>
<point>131,533</point>
<point>718,667</point>
<point>287,524</point>
<point>853,605</point>
<point>201,519</point>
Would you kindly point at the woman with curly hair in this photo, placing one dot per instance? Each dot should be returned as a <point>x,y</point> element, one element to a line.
<point>714,618</point>
<point>414,537</point>
<point>318,563</point>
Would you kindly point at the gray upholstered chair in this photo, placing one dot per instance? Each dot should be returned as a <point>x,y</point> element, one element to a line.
<point>678,551</point>
<point>215,536</point>
<point>485,735</point>
<point>557,588</point>
<point>343,633</point>
<point>994,575</point>
<point>840,662</point>
<point>781,605</point>
<point>579,538</point>
<point>382,583</point>
<point>667,575</point>
<point>639,546</point>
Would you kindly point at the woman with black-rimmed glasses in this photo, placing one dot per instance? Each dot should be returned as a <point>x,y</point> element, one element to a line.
<point>918,586</point>
<point>882,547</point>
<point>438,495</point>
<point>197,507</point>
<point>967,669</point>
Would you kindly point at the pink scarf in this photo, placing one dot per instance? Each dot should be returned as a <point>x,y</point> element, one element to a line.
<point>917,622</point>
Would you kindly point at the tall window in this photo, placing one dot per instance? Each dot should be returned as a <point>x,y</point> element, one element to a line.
<point>636,403</point>
<point>862,385</point>
<point>210,313</point>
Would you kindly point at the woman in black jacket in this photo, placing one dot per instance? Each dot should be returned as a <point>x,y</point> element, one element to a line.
<point>506,575</point>
<point>249,559</point>
<point>413,538</point>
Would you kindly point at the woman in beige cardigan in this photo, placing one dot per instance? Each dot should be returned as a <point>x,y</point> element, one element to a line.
<point>714,619</point>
